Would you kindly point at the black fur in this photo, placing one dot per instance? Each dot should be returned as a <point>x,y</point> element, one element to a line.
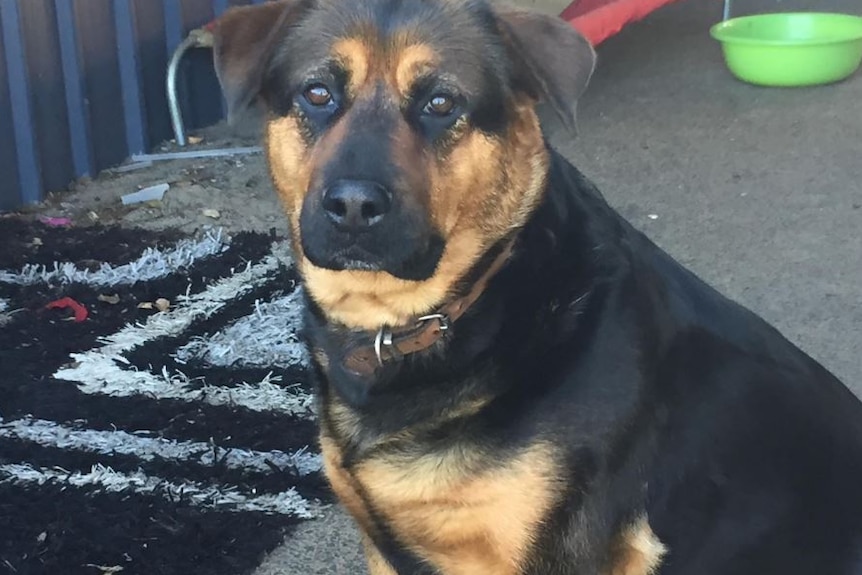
<point>668,398</point>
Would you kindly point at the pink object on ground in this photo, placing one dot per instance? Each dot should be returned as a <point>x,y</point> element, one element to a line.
<point>55,222</point>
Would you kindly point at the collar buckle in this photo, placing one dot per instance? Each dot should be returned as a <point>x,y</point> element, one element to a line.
<point>442,320</point>
<point>383,337</point>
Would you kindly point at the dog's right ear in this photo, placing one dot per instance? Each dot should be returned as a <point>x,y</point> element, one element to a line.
<point>552,61</point>
<point>244,40</point>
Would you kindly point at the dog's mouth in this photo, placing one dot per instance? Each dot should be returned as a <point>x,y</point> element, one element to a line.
<point>353,258</point>
<point>401,251</point>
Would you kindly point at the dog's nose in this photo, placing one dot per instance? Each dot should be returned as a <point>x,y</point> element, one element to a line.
<point>355,205</point>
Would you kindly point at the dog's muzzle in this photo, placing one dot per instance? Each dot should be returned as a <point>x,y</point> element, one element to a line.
<point>362,224</point>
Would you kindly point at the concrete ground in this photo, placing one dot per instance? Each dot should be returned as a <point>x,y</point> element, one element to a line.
<point>757,190</point>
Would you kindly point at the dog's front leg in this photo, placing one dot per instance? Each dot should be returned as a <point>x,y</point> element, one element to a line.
<point>345,488</point>
<point>377,564</point>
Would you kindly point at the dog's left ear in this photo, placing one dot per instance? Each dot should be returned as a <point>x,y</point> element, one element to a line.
<point>244,39</point>
<point>552,61</point>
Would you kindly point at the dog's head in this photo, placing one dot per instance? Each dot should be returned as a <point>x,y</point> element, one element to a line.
<point>402,136</point>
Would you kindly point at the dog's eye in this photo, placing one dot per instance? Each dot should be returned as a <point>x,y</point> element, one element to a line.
<point>439,105</point>
<point>318,95</point>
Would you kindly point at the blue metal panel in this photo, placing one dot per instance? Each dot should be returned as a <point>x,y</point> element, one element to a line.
<point>173,24</point>
<point>153,62</point>
<point>133,110</point>
<point>97,40</point>
<point>82,85</point>
<point>47,93</point>
<point>9,185</point>
<point>79,130</point>
<point>25,145</point>
<point>219,6</point>
<point>198,86</point>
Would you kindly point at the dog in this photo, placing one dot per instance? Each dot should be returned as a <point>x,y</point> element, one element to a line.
<point>512,379</point>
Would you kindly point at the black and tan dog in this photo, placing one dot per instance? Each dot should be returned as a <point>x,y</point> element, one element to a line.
<point>512,380</point>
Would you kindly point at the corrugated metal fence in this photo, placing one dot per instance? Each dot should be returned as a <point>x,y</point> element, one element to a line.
<point>82,86</point>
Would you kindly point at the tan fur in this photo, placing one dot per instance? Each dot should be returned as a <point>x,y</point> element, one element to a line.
<point>638,551</point>
<point>343,484</point>
<point>368,300</point>
<point>354,55</point>
<point>462,518</point>
<point>288,165</point>
<point>491,184</point>
<point>448,508</point>
<point>292,164</point>
<point>412,62</point>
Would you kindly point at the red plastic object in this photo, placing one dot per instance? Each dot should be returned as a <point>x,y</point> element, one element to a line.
<point>68,303</point>
<point>598,20</point>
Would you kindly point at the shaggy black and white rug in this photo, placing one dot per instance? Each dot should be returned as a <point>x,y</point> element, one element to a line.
<point>154,415</point>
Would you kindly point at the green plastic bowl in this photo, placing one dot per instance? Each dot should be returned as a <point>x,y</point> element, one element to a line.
<point>791,49</point>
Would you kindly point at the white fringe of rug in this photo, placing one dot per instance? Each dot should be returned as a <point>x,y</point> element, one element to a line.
<point>152,264</point>
<point>228,498</point>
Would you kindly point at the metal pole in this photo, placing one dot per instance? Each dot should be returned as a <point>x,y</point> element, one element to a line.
<point>727,9</point>
<point>173,101</point>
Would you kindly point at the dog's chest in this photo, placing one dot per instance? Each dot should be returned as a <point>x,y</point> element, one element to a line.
<point>463,517</point>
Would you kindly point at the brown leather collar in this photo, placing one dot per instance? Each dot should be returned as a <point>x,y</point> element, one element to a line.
<point>391,344</point>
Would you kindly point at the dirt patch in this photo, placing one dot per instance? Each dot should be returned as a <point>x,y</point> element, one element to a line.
<point>237,189</point>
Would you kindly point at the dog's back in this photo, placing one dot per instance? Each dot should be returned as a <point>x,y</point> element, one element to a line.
<point>746,452</point>
<point>760,449</point>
